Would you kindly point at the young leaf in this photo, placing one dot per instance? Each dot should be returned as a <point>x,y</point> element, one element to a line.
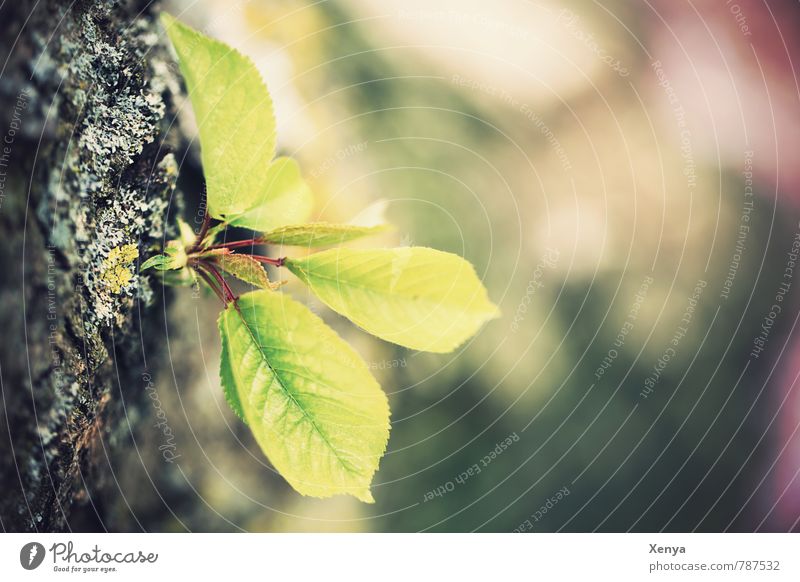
<point>313,406</point>
<point>417,297</point>
<point>174,258</point>
<point>177,254</point>
<point>245,269</point>
<point>285,198</point>
<point>319,234</point>
<point>187,235</point>
<point>157,262</point>
<point>237,132</point>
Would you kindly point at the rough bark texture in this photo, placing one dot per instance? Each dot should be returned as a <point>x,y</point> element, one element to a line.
<point>84,169</point>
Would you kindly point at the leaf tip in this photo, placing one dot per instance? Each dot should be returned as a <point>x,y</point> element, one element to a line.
<point>152,262</point>
<point>168,21</point>
<point>364,495</point>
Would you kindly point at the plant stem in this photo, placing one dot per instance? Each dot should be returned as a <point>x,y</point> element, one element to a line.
<point>229,295</point>
<point>210,282</point>
<point>269,260</point>
<point>238,244</point>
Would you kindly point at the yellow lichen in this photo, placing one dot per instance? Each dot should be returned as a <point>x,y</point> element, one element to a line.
<point>115,272</point>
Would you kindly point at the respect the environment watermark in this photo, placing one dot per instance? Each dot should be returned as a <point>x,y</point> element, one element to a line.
<point>524,108</point>
<point>744,227</point>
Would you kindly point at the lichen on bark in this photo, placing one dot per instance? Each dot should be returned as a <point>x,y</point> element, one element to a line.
<point>90,171</point>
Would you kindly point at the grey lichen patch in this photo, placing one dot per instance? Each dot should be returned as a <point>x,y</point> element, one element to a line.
<point>115,99</point>
<point>101,185</point>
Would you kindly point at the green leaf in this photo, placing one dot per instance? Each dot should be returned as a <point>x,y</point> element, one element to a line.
<point>285,198</point>
<point>212,253</point>
<point>174,258</point>
<point>187,234</point>
<point>157,262</point>
<point>245,269</point>
<point>177,254</point>
<point>319,234</point>
<point>313,407</point>
<point>417,297</point>
<point>234,118</point>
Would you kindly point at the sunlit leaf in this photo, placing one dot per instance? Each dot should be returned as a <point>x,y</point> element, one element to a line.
<point>314,408</point>
<point>285,198</point>
<point>234,119</point>
<point>417,297</point>
<point>319,234</point>
<point>245,269</point>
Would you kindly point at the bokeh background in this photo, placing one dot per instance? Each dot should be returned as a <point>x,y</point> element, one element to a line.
<point>623,175</point>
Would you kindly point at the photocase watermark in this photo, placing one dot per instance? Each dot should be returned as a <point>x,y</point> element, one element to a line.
<point>167,447</point>
<point>537,515</point>
<point>760,341</point>
<point>548,261</point>
<point>8,140</point>
<point>571,21</point>
<point>67,559</point>
<point>627,327</point>
<point>671,350</point>
<point>685,147</point>
<point>744,226</point>
<point>95,560</point>
<point>31,555</point>
<point>339,156</point>
<point>473,470</point>
<point>523,108</point>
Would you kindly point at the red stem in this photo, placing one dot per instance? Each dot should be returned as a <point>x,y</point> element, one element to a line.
<point>233,298</point>
<point>269,260</point>
<point>221,280</point>
<point>238,244</point>
<point>210,282</point>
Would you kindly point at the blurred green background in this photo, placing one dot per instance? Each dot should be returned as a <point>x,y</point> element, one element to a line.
<point>594,162</point>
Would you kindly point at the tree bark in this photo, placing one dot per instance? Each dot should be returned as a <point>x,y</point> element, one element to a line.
<point>85,169</point>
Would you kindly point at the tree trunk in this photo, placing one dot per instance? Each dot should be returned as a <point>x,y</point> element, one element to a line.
<point>84,171</point>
